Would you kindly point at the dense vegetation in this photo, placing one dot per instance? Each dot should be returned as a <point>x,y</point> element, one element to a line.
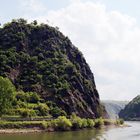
<point>60,124</point>
<point>7,90</point>
<point>24,104</point>
<point>49,73</point>
<point>132,110</point>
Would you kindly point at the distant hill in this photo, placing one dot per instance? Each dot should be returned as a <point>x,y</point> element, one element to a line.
<point>132,110</point>
<point>113,107</point>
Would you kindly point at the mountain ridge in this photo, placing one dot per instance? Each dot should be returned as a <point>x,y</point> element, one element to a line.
<point>132,110</point>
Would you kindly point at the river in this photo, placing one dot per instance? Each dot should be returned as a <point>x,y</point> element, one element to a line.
<point>124,133</point>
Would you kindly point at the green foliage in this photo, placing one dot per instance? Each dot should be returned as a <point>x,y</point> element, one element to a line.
<point>119,122</point>
<point>99,122</point>
<point>40,60</point>
<point>33,97</point>
<point>63,123</point>
<point>108,122</point>
<point>56,112</point>
<point>21,96</point>
<point>25,113</point>
<point>30,97</point>
<point>76,121</point>
<point>43,110</point>
<point>90,123</point>
<point>60,124</point>
<point>7,91</point>
<point>24,124</point>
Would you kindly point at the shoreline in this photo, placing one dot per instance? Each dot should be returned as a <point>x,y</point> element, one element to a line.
<point>60,124</point>
<point>39,130</point>
<point>18,131</point>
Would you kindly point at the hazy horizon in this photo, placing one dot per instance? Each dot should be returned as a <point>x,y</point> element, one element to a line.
<point>106,32</point>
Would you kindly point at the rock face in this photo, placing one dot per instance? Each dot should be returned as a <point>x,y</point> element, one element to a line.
<point>114,107</point>
<point>132,110</point>
<point>39,58</point>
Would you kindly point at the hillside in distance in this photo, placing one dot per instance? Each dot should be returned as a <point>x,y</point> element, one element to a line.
<point>40,59</point>
<point>132,110</point>
<point>114,107</point>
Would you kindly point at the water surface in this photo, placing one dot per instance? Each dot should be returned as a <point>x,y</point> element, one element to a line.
<point>125,133</point>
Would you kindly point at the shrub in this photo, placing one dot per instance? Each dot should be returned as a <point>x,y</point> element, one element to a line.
<point>76,121</point>
<point>63,123</point>
<point>22,96</point>
<point>21,104</point>
<point>56,111</point>
<point>84,123</point>
<point>7,91</point>
<point>43,109</point>
<point>25,113</point>
<point>33,97</point>
<point>108,122</point>
<point>119,122</point>
<point>99,122</point>
<point>90,123</point>
<point>44,125</point>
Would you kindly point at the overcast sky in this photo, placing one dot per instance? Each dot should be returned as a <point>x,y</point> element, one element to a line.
<point>106,31</point>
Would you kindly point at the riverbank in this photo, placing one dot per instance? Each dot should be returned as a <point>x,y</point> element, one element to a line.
<point>60,124</point>
<point>15,131</point>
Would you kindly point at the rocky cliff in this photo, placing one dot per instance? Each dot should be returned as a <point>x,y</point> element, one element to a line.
<point>41,59</point>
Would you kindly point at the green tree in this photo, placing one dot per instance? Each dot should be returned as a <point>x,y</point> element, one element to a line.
<point>7,90</point>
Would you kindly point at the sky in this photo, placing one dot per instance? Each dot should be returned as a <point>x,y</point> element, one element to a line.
<point>107,32</point>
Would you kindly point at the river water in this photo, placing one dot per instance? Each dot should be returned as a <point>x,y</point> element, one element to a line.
<point>126,133</point>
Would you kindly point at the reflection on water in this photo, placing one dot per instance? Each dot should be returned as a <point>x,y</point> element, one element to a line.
<point>74,135</point>
<point>126,133</point>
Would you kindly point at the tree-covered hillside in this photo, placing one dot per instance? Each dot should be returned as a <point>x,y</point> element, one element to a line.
<point>39,59</point>
<point>132,110</point>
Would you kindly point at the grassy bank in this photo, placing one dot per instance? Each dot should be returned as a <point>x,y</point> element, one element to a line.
<point>60,124</point>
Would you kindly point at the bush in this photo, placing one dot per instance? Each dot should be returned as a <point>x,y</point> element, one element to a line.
<point>24,124</point>
<point>119,122</point>
<point>63,123</point>
<point>25,113</point>
<point>108,122</point>
<point>99,122</point>
<point>56,112</point>
<point>44,125</point>
<point>90,123</point>
<point>76,122</point>
<point>43,109</point>
<point>33,97</point>
<point>84,123</point>
<point>7,94</point>
<point>21,104</point>
<point>21,96</point>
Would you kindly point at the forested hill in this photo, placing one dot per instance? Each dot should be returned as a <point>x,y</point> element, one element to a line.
<point>40,59</point>
<point>132,110</point>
